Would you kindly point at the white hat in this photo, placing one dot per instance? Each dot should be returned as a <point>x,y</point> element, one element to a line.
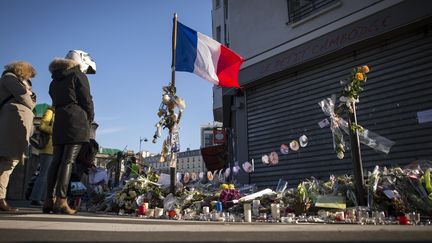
<point>87,65</point>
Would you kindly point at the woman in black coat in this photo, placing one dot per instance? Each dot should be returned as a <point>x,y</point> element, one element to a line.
<point>73,104</point>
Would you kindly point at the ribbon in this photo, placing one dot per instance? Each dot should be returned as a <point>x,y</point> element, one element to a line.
<point>338,124</point>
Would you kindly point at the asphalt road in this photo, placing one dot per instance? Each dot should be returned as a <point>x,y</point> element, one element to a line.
<point>29,225</point>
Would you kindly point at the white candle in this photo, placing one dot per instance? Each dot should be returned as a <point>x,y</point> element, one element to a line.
<point>158,212</point>
<point>255,207</point>
<point>247,213</point>
<point>150,212</point>
<point>275,211</point>
<point>206,210</point>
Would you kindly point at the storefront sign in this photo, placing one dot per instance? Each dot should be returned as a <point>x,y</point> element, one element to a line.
<point>358,31</point>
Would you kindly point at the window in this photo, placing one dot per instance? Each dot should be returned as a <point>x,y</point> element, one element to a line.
<point>218,34</point>
<point>299,9</point>
<point>226,9</point>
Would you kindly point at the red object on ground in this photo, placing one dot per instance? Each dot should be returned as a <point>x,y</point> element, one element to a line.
<point>142,209</point>
<point>403,220</point>
<point>172,213</point>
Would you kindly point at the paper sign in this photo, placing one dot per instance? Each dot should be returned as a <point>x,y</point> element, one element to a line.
<point>323,123</point>
<point>424,116</point>
<point>392,194</point>
<point>327,201</point>
<point>164,179</point>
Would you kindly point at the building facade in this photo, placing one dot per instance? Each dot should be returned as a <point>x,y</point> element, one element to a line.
<point>190,161</point>
<point>297,52</point>
<point>187,161</point>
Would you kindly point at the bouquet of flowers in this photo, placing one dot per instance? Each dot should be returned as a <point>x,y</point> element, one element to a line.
<point>125,199</point>
<point>228,194</point>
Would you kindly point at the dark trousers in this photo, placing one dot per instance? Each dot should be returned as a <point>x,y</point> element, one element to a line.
<point>61,168</point>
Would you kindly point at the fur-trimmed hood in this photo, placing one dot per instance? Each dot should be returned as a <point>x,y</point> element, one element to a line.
<point>62,64</point>
<point>22,70</point>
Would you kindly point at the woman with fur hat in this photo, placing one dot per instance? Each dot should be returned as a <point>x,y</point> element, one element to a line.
<point>73,104</point>
<point>17,101</point>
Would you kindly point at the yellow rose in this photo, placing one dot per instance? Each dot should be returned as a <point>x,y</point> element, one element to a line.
<point>231,186</point>
<point>365,69</point>
<point>359,76</point>
<point>224,186</point>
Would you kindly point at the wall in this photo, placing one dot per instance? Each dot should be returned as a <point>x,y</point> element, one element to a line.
<point>256,26</point>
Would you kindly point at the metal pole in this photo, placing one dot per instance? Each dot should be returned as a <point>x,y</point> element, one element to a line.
<point>356,158</point>
<point>173,163</point>
<point>117,169</point>
<point>140,154</point>
<point>174,47</point>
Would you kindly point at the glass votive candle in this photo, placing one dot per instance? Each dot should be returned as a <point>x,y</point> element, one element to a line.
<point>340,216</point>
<point>158,212</point>
<point>275,211</point>
<point>247,213</point>
<point>255,207</point>
<point>403,219</point>
<point>206,210</point>
<point>150,212</point>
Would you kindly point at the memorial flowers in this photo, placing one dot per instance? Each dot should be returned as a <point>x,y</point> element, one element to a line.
<point>349,96</point>
<point>147,186</point>
<point>352,88</point>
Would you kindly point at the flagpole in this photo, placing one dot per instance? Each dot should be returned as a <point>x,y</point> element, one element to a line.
<point>173,163</point>
<point>174,46</point>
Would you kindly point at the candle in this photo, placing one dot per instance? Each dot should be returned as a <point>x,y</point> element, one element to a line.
<point>255,207</point>
<point>340,216</point>
<point>219,207</point>
<point>206,210</point>
<point>275,211</point>
<point>142,209</point>
<point>158,212</point>
<point>247,213</point>
<point>403,220</point>
<point>150,212</point>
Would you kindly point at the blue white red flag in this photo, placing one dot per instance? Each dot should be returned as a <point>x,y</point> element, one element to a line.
<point>207,58</point>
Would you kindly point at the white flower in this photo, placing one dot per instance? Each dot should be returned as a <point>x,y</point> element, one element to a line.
<point>132,194</point>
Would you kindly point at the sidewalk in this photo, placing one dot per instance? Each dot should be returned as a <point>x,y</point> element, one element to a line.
<point>30,225</point>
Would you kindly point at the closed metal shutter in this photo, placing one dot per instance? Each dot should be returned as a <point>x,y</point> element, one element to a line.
<point>398,86</point>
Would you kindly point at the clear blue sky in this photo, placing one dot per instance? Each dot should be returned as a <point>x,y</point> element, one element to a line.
<point>131,44</point>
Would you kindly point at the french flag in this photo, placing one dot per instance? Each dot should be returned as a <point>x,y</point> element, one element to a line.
<point>207,58</point>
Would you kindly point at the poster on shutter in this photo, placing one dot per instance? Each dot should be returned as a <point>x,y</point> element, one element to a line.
<point>219,135</point>
<point>424,116</point>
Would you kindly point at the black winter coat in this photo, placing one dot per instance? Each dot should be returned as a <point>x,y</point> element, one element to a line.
<point>71,98</point>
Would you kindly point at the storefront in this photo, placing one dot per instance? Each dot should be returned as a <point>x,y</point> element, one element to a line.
<point>280,100</point>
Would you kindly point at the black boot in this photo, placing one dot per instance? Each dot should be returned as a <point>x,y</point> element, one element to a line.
<point>70,152</point>
<point>48,206</point>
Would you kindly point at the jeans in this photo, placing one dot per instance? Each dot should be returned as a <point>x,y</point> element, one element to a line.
<point>40,186</point>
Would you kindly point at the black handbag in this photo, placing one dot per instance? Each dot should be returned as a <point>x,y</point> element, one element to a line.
<point>39,139</point>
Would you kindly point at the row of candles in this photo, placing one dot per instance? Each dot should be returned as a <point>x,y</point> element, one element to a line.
<point>251,212</point>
